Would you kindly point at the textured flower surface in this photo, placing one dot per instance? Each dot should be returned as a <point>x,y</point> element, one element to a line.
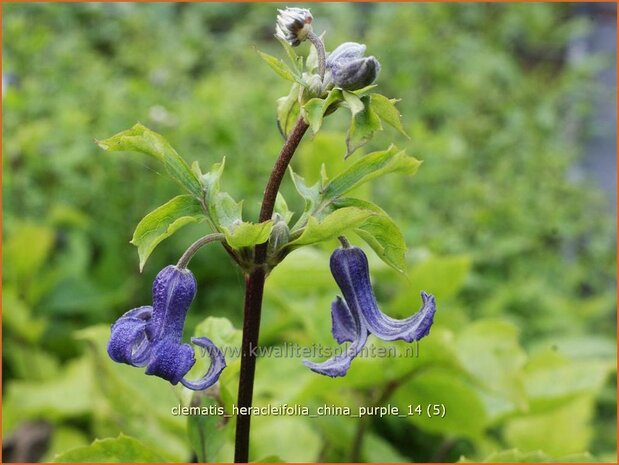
<point>293,25</point>
<point>348,68</point>
<point>357,316</point>
<point>151,336</point>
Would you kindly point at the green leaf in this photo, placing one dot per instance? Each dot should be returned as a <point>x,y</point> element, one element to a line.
<point>288,110</point>
<point>354,103</point>
<point>441,276</point>
<point>335,96</point>
<point>248,234</point>
<point>565,430</point>
<point>295,60</point>
<point>63,439</point>
<point>364,124</point>
<point>464,411</point>
<point>363,90</point>
<point>517,456</point>
<point>550,378</point>
<point>142,139</point>
<point>380,232</point>
<point>489,350</point>
<point>278,66</point>
<point>370,167</point>
<point>123,449</point>
<point>332,226</point>
<point>281,207</point>
<point>207,433</point>
<point>68,395</point>
<point>219,330</point>
<point>313,111</point>
<point>310,194</point>
<point>386,110</point>
<point>291,438</point>
<point>223,210</point>
<point>164,221</point>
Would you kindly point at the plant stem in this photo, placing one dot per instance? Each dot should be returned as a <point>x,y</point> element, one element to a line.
<point>193,248</point>
<point>254,288</point>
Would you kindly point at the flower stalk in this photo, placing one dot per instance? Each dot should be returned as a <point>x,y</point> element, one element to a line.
<point>197,245</point>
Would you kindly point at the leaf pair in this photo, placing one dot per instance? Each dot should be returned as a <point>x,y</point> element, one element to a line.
<point>329,214</point>
<point>205,201</point>
<point>367,112</point>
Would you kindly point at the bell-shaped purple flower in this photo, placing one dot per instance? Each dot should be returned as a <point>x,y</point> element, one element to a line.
<point>348,68</point>
<point>358,315</point>
<point>151,336</point>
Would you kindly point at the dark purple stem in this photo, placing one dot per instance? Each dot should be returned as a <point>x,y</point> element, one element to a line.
<point>254,287</point>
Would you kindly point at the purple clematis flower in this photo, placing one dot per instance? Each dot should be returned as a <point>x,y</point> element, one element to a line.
<point>357,316</point>
<point>151,336</point>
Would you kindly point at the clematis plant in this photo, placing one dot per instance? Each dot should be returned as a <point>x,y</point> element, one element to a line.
<point>321,83</point>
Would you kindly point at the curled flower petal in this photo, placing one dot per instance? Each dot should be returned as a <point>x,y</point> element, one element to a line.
<point>342,321</point>
<point>218,363</point>
<point>152,336</point>
<point>128,343</point>
<point>356,333</point>
<point>350,270</point>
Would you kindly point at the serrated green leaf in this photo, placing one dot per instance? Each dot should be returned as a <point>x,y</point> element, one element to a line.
<point>278,66</point>
<point>363,90</point>
<point>295,60</point>
<point>248,234</point>
<point>355,104</point>
<point>370,167</point>
<point>334,96</point>
<point>313,111</point>
<point>333,225</point>
<point>123,449</point>
<point>164,221</point>
<point>288,110</point>
<point>363,126</point>
<point>311,194</point>
<point>141,139</point>
<point>385,108</point>
<point>223,210</point>
<point>380,232</point>
<point>281,207</point>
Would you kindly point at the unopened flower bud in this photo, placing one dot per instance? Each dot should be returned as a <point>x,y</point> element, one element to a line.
<point>313,84</point>
<point>349,69</point>
<point>293,25</point>
<point>280,234</point>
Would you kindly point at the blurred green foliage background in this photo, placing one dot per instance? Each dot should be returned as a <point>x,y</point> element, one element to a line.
<point>519,252</point>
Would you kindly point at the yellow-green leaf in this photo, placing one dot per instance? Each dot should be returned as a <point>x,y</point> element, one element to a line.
<point>164,221</point>
<point>386,110</point>
<point>141,139</point>
<point>248,234</point>
<point>370,167</point>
